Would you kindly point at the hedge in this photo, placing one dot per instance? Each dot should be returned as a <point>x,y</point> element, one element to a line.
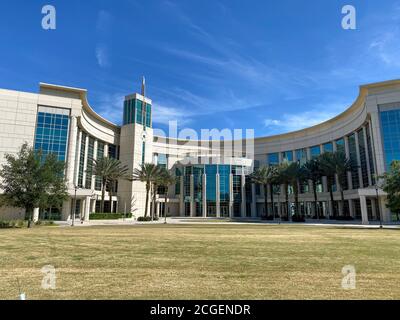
<point>18,224</point>
<point>109,216</point>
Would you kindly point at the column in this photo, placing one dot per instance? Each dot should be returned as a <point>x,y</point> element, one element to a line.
<point>364,210</point>
<point>35,217</point>
<point>385,212</point>
<point>93,206</point>
<point>66,209</point>
<point>231,199</point>
<point>204,196</point>
<point>351,207</point>
<point>86,212</point>
<point>192,200</point>
<point>86,160</point>
<point>105,150</point>
<point>218,196</point>
<point>73,132</point>
<point>253,201</point>
<point>360,178</point>
<point>367,155</point>
<point>96,145</point>
<point>78,158</point>
<point>243,190</point>
<point>377,144</point>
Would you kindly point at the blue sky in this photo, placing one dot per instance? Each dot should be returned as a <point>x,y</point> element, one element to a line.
<point>273,66</point>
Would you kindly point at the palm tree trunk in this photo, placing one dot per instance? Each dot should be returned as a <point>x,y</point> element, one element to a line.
<point>111,196</point>
<point>147,199</point>
<point>315,199</point>
<point>154,202</point>
<point>272,200</point>
<point>165,206</point>
<point>332,200</point>
<point>287,201</point>
<point>296,201</point>
<point>266,199</point>
<point>103,195</point>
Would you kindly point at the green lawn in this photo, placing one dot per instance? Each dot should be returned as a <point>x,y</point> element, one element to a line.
<point>200,262</point>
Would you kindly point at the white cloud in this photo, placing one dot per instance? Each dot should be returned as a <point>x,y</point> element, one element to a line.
<point>163,115</point>
<point>102,56</point>
<point>110,106</point>
<point>290,122</point>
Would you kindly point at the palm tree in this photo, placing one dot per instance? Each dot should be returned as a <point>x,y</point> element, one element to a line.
<point>283,178</point>
<point>313,173</point>
<point>295,175</point>
<point>147,173</point>
<point>329,171</point>
<point>119,172</point>
<point>166,179</point>
<point>265,176</point>
<point>342,165</point>
<point>106,169</point>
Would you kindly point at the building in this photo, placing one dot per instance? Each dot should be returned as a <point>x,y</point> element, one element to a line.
<point>212,181</point>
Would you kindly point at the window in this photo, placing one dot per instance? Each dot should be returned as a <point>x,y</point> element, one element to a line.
<point>224,175</point>
<point>287,156</point>
<point>100,155</point>
<point>162,161</point>
<point>273,159</point>
<point>301,155</point>
<point>82,160</point>
<point>137,111</point>
<point>353,156</point>
<point>363,157</point>
<point>315,152</point>
<point>52,132</point>
<point>390,121</point>
<point>328,147</point>
<point>89,168</point>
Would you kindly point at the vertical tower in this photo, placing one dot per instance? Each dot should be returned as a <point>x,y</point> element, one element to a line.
<point>135,149</point>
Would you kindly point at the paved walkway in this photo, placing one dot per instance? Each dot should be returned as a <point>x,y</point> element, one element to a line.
<point>210,221</point>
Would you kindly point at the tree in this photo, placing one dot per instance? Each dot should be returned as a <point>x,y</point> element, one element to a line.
<point>284,179</point>
<point>391,185</point>
<point>329,171</point>
<point>337,164</point>
<point>265,176</point>
<point>119,172</point>
<point>313,173</point>
<point>294,173</point>
<point>147,173</point>
<point>31,180</point>
<point>107,169</point>
<point>166,179</point>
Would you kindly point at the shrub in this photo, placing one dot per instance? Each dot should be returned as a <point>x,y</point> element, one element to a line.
<point>109,216</point>
<point>268,218</point>
<point>45,223</point>
<point>146,219</point>
<point>299,219</point>
<point>10,224</point>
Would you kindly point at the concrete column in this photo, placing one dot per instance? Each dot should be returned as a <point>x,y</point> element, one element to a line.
<point>106,150</point>
<point>36,215</point>
<point>231,200</point>
<point>360,178</point>
<point>78,157</point>
<point>93,206</point>
<point>86,213</point>
<point>96,145</point>
<point>351,208</point>
<point>86,160</point>
<point>204,196</point>
<point>377,143</point>
<point>367,155</point>
<point>385,212</point>
<point>364,210</point>
<point>66,209</point>
<point>243,190</point>
<point>192,202</point>
<point>72,139</point>
<point>347,148</point>
<point>218,196</point>
<point>253,201</point>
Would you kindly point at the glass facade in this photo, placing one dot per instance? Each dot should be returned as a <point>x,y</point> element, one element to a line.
<point>211,190</point>
<point>89,167</point>
<point>100,155</point>
<point>301,155</point>
<point>52,132</point>
<point>162,161</point>
<point>353,156</point>
<point>136,111</point>
<point>390,122</point>
<point>273,159</point>
<point>328,147</point>
<point>363,157</point>
<point>287,156</point>
<point>82,160</point>
<point>315,152</point>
